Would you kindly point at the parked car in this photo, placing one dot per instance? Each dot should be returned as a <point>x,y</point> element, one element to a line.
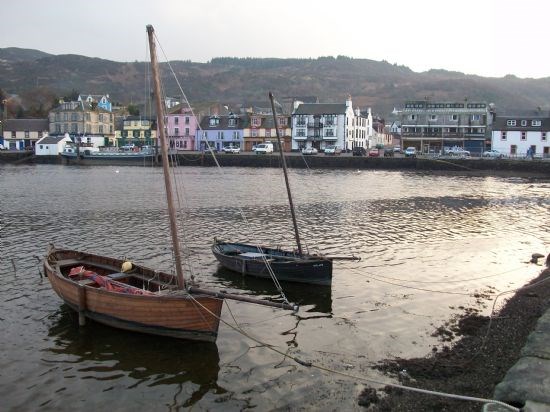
<point>232,149</point>
<point>374,152</point>
<point>495,154</point>
<point>397,149</point>
<point>456,151</point>
<point>332,150</point>
<point>210,150</point>
<point>264,148</point>
<point>2,147</point>
<point>410,152</point>
<point>359,151</point>
<point>309,151</point>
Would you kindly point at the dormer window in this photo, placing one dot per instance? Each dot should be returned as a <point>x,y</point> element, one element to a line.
<point>214,121</point>
<point>536,123</point>
<point>255,121</point>
<point>282,121</point>
<point>524,123</point>
<point>232,122</point>
<point>510,123</point>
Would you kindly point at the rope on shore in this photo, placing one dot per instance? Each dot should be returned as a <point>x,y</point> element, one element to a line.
<point>299,361</point>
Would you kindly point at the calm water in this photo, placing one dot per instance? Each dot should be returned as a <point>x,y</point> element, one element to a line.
<point>432,247</point>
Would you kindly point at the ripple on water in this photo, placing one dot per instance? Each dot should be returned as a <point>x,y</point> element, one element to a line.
<point>428,245</point>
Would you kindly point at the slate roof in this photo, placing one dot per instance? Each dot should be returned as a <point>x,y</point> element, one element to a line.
<point>51,139</point>
<point>501,123</point>
<point>31,125</point>
<point>223,123</point>
<point>321,108</point>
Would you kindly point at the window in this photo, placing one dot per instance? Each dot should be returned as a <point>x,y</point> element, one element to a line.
<point>412,117</point>
<point>185,144</point>
<point>524,123</point>
<point>300,132</point>
<point>513,149</point>
<point>187,131</point>
<point>27,133</point>
<point>187,120</point>
<point>433,117</point>
<point>267,132</point>
<point>502,135</point>
<point>510,123</point>
<point>101,128</point>
<point>453,117</point>
<point>475,117</point>
<point>536,123</point>
<point>176,120</point>
<point>282,121</point>
<point>543,136</point>
<point>177,131</point>
<point>254,133</point>
<point>523,135</point>
<point>329,132</point>
<point>220,135</point>
<point>235,135</point>
<point>232,122</point>
<point>255,121</point>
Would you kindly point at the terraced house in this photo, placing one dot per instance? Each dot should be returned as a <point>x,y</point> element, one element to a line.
<point>431,126</point>
<point>260,128</point>
<point>220,131</point>
<point>325,124</point>
<point>81,118</point>
<point>522,134</point>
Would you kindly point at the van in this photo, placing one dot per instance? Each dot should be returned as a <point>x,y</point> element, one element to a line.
<point>264,148</point>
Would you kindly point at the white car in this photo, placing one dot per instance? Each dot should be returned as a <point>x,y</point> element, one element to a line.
<point>232,149</point>
<point>495,154</point>
<point>264,148</point>
<point>457,151</point>
<point>309,151</point>
<point>410,152</point>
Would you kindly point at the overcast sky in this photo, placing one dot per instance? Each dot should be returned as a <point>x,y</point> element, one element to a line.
<point>484,37</point>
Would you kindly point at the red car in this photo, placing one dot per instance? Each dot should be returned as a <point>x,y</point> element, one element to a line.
<point>374,152</point>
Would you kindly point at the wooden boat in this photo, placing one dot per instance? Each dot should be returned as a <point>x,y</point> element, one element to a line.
<point>152,302</point>
<point>262,261</point>
<point>281,265</point>
<point>133,297</point>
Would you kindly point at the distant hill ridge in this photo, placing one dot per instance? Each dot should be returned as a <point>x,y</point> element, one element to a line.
<point>229,80</point>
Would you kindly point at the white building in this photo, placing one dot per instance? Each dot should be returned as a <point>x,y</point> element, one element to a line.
<point>22,134</point>
<point>514,135</point>
<point>323,124</point>
<point>51,145</point>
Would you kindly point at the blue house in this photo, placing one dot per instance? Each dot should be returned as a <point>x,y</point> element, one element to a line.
<point>102,101</point>
<point>221,131</point>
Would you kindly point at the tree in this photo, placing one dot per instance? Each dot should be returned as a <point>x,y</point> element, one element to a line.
<point>133,110</point>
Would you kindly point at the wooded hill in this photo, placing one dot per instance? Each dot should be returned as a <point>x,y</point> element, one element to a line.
<point>227,80</point>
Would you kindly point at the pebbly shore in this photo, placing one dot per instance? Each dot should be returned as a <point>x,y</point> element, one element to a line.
<point>506,358</point>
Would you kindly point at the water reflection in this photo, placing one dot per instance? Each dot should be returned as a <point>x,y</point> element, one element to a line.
<point>311,298</point>
<point>102,353</point>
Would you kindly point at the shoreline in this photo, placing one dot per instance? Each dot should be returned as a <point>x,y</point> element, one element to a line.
<point>469,167</point>
<point>473,365</point>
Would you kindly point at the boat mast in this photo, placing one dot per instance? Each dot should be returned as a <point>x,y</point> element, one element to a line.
<point>296,233</point>
<point>165,161</point>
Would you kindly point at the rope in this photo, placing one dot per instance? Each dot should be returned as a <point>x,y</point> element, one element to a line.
<point>299,361</point>
<point>219,168</point>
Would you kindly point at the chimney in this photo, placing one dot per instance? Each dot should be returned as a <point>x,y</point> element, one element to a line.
<point>348,101</point>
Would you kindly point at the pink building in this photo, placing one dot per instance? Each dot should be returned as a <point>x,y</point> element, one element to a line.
<point>181,127</point>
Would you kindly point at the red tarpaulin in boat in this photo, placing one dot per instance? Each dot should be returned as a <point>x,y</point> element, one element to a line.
<point>107,283</point>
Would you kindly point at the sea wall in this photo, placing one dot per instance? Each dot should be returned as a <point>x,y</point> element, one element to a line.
<point>473,165</point>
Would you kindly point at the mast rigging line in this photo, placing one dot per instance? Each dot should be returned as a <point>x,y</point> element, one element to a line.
<point>310,364</point>
<point>241,212</point>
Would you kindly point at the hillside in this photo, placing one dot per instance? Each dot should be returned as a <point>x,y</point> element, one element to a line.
<point>379,85</point>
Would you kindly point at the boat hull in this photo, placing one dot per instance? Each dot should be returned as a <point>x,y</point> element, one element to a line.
<point>114,159</point>
<point>176,314</point>
<point>287,266</point>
